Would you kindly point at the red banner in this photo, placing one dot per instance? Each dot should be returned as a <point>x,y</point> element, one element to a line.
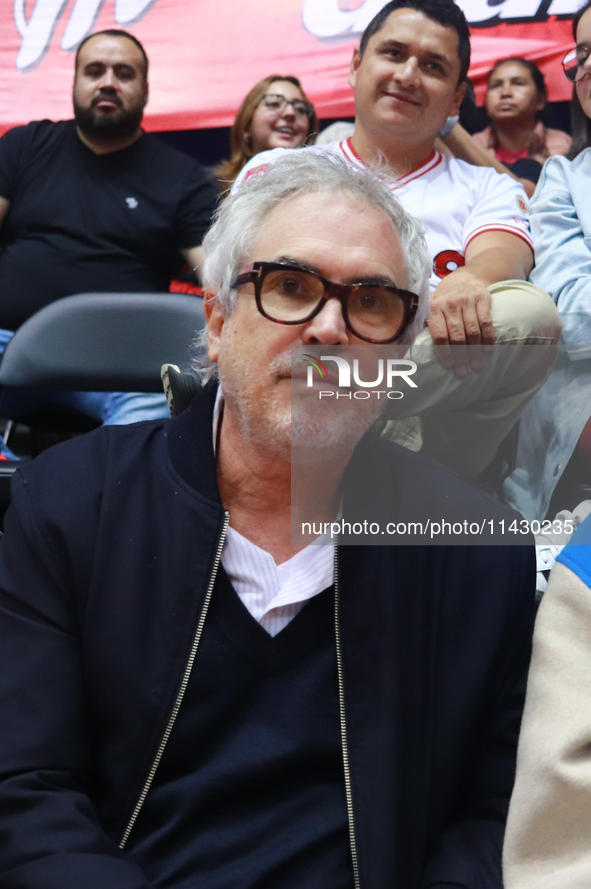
<point>206,54</point>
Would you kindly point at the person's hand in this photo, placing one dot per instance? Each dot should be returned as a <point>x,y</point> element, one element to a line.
<point>460,321</point>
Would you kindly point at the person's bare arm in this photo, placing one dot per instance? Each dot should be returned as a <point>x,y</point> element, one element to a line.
<point>463,146</point>
<point>460,305</point>
<point>193,256</point>
<point>4,205</point>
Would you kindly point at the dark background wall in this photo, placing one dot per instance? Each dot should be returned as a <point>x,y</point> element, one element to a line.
<point>209,147</point>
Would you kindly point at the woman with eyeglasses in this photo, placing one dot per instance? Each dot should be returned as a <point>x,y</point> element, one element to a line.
<point>515,98</point>
<point>276,113</point>
<point>548,834</point>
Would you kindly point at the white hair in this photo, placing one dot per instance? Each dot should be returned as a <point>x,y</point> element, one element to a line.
<point>228,243</point>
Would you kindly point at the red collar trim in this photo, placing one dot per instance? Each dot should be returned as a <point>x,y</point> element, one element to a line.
<point>347,147</point>
<point>349,143</point>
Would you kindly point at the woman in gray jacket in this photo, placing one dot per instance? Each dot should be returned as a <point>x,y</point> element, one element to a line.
<point>547,842</point>
<point>555,429</point>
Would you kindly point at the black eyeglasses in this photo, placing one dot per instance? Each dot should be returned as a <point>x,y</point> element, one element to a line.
<point>287,294</point>
<point>573,63</point>
<point>276,104</point>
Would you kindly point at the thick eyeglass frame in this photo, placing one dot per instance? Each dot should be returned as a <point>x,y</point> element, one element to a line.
<point>258,271</point>
<point>573,67</point>
<point>306,111</point>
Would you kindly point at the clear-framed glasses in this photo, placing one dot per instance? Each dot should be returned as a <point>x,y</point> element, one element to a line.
<point>287,294</point>
<point>573,63</point>
<point>276,104</point>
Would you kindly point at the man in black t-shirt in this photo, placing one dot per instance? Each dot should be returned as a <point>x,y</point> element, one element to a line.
<point>95,204</point>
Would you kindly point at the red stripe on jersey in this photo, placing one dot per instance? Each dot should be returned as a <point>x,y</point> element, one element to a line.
<point>350,153</point>
<point>432,161</point>
<point>500,228</point>
<point>404,180</point>
<point>348,143</point>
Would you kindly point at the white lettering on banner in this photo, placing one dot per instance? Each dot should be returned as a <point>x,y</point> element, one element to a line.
<point>329,22</point>
<point>37,31</point>
<point>82,18</point>
<point>562,7</point>
<point>127,11</point>
<point>325,20</point>
<point>481,12</point>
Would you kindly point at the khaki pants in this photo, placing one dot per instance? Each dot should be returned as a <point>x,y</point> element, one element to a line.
<point>462,421</point>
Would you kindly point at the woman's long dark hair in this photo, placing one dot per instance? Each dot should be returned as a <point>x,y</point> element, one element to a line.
<point>580,123</point>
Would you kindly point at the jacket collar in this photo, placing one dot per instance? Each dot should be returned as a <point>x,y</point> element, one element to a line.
<point>190,444</point>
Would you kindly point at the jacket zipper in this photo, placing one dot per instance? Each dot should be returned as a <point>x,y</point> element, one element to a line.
<point>343,721</point>
<point>181,692</point>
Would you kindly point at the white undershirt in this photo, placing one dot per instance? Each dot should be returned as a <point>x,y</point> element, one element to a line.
<point>273,593</point>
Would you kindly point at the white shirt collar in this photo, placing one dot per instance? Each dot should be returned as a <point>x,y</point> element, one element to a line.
<point>273,594</point>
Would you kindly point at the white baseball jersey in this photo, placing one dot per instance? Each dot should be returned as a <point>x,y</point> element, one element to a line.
<point>454,200</point>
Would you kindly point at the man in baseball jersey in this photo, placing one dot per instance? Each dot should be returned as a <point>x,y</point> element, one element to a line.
<point>409,76</point>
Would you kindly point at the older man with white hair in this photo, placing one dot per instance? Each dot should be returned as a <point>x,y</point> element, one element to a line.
<point>190,697</point>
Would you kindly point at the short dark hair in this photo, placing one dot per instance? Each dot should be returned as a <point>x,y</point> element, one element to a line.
<point>444,12</point>
<point>536,74</point>
<point>580,123</point>
<point>115,32</point>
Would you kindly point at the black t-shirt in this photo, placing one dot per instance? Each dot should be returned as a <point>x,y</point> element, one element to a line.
<point>80,222</point>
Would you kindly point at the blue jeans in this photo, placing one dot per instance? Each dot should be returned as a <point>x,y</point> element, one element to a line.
<point>107,408</point>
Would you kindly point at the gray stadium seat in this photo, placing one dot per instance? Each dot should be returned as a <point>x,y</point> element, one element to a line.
<point>103,341</point>
<point>99,342</point>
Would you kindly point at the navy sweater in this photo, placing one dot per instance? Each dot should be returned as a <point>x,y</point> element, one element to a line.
<point>250,792</point>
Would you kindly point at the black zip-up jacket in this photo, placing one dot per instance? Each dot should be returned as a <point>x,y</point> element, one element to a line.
<point>109,551</point>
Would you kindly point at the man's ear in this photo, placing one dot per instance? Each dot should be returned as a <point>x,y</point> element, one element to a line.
<point>215,321</point>
<point>355,62</point>
<point>458,98</point>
